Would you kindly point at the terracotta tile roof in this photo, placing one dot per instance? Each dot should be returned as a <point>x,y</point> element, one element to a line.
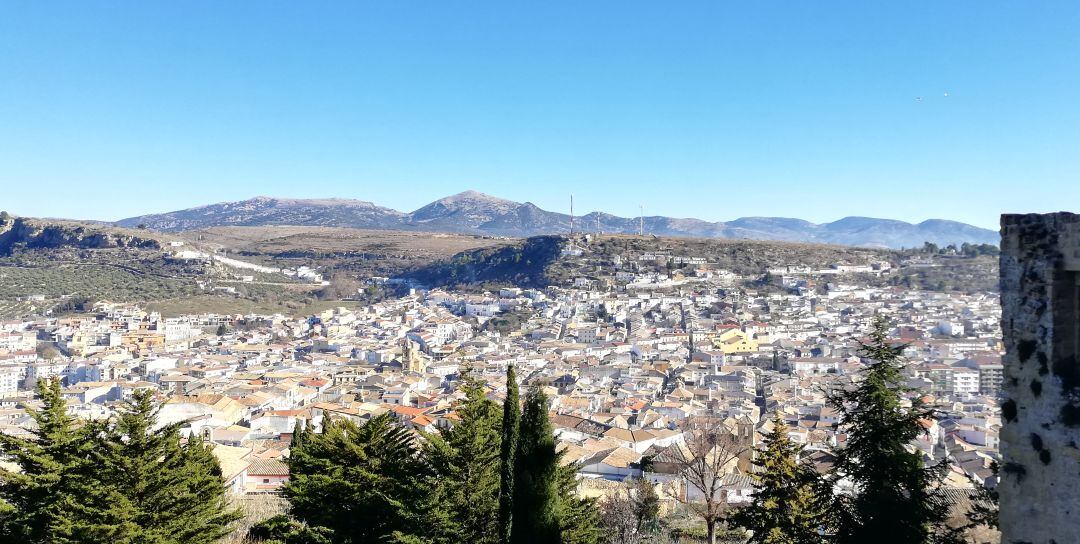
<point>268,467</point>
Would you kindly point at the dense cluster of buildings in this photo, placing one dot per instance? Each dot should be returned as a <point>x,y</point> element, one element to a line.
<point>627,358</point>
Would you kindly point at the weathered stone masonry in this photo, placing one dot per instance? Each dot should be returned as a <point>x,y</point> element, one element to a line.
<point>1040,321</point>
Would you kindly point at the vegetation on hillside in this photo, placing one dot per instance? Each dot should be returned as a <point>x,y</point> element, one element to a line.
<point>525,264</point>
<point>540,261</point>
<point>64,260</point>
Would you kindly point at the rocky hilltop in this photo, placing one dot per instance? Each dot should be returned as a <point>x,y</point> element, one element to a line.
<point>540,261</point>
<point>25,233</point>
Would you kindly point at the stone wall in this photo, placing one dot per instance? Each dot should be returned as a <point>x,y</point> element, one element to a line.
<point>1040,438</point>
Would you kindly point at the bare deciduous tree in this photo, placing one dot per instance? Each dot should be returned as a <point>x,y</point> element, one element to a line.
<point>630,514</point>
<point>710,451</point>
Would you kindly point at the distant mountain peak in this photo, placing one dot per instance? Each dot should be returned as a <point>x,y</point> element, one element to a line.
<point>475,197</point>
<point>472,193</point>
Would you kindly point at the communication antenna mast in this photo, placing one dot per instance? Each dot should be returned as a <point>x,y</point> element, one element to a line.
<point>598,231</point>
<point>571,213</point>
<point>641,220</point>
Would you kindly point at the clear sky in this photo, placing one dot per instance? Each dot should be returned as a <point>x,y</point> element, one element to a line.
<point>713,109</point>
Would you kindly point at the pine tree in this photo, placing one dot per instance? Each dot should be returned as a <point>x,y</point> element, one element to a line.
<point>511,421</point>
<point>156,487</point>
<point>30,498</point>
<point>894,498</point>
<point>464,481</point>
<point>579,519</point>
<point>536,476</point>
<point>360,481</point>
<point>785,507</point>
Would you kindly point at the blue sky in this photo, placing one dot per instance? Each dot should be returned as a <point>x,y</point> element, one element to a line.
<point>713,109</point>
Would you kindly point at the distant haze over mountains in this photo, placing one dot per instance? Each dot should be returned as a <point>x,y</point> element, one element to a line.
<point>471,212</point>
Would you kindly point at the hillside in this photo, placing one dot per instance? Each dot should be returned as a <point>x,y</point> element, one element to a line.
<point>526,263</point>
<point>55,265</point>
<point>26,233</point>
<point>475,213</point>
<point>541,261</point>
<point>49,265</point>
<point>357,253</point>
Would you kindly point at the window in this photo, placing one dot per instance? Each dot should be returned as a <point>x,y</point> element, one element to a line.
<point>1066,308</point>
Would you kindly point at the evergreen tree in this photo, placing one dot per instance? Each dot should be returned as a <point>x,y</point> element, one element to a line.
<point>579,519</point>
<point>894,498</point>
<point>31,497</point>
<point>785,507</point>
<point>546,508</point>
<point>537,484</point>
<point>149,485</point>
<point>358,480</point>
<point>284,530</point>
<point>511,420</point>
<point>464,480</point>
<point>93,508</point>
<point>297,435</point>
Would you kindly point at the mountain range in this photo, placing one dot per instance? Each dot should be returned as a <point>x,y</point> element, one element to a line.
<point>472,212</point>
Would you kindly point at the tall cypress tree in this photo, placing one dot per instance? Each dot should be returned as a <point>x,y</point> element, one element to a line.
<point>297,434</point>
<point>464,480</point>
<point>894,497</point>
<point>546,508</point>
<point>511,421</point>
<point>536,508</point>
<point>56,448</point>
<point>785,507</point>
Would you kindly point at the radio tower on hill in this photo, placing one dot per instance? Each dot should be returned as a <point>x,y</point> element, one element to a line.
<point>641,220</point>
<point>571,213</point>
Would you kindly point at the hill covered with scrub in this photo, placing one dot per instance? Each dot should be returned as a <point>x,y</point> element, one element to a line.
<point>540,261</point>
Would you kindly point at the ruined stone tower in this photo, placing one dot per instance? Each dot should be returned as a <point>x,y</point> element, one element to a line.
<point>1040,438</point>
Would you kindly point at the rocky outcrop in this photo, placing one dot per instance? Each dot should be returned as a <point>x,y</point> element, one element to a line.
<point>40,234</point>
<point>524,264</point>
